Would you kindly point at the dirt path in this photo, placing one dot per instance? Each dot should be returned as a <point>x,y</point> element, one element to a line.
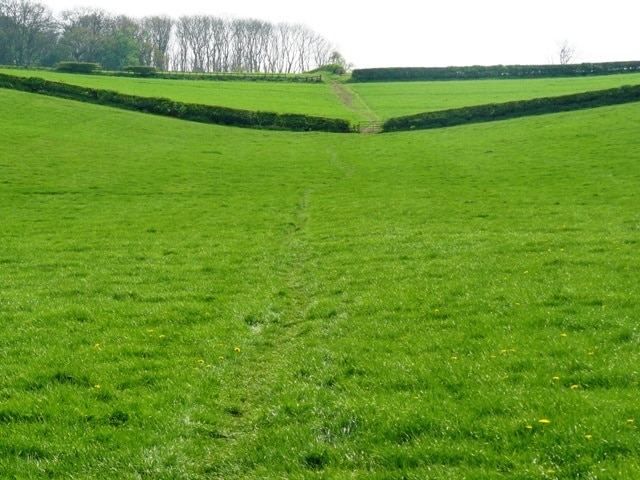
<point>347,96</point>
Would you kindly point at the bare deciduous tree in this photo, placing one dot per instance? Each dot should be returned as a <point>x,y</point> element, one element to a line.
<point>566,52</point>
<point>181,59</point>
<point>322,51</point>
<point>286,38</point>
<point>159,29</point>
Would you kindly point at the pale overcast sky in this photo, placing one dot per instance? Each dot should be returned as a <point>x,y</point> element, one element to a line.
<point>401,33</point>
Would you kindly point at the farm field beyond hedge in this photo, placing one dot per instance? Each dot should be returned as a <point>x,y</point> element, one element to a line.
<point>395,99</point>
<point>317,99</point>
<point>191,301</point>
<point>351,101</point>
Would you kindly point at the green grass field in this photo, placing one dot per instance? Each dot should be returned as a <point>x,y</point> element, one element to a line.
<point>186,301</point>
<point>316,99</point>
<point>398,99</point>
<point>355,102</point>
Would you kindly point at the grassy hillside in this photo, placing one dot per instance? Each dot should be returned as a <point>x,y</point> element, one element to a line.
<point>353,102</point>
<point>305,98</point>
<point>396,99</point>
<point>190,301</point>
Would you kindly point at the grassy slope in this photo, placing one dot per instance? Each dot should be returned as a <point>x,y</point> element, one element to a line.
<point>189,301</point>
<point>382,100</point>
<point>305,98</point>
<point>396,99</point>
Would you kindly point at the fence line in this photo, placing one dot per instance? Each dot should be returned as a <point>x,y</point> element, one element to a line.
<point>369,127</point>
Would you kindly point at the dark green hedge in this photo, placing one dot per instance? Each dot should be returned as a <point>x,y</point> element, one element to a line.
<point>141,71</point>
<point>502,111</point>
<point>222,76</point>
<point>185,111</point>
<point>496,71</point>
<point>78,67</point>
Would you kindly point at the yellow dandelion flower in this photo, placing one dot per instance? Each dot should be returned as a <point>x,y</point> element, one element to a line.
<point>454,358</point>
<point>563,334</point>
<point>150,330</point>
<point>200,361</point>
<point>97,346</point>
<point>161,336</point>
<point>588,437</point>
<point>97,387</point>
<point>237,349</point>
<point>555,379</point>
<point>574,387</point>
<point>221,357</point>
<point>544,421</point>
<point>529,427</point>
<point>630,421</point>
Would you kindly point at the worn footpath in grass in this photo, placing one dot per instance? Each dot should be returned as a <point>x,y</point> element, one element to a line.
<point>189,301</point>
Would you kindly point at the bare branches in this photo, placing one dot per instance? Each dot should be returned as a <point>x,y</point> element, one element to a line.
<point>158,31</point>
<point>213,44</point>
<point>566,52</point>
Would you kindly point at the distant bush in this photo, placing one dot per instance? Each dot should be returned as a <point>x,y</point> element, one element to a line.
<point>502,111</point>
<point>141,71</point>
<point>410,74</point>
<point>331,69</point>
<point>186,111</point>
<point>78,67</point>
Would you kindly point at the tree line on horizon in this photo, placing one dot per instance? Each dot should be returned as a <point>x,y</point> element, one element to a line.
<point>31,35</point>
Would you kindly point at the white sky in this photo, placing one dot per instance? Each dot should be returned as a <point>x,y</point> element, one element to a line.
<point>401,33</point>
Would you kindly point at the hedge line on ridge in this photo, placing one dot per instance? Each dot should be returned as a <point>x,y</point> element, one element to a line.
<point>411,74</point>
<point>185,111</point>
<point>515,109</point>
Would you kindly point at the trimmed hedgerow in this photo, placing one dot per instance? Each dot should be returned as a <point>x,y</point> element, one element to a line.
<point>410,74</point>
<point>185,111</point>
<point>502,111</point>
<point>142,71</point>
<point>78,67</point>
